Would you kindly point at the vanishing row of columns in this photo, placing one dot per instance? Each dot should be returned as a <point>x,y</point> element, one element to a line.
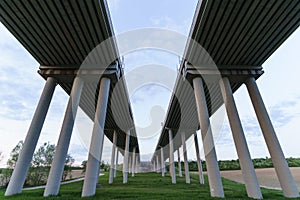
<point>159,166</point>
<point>130,164</point>
<point>95,152</point>
<point>214,178</point>
<point>92,172</point>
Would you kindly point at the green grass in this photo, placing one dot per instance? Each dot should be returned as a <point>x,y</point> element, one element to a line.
<point>148,186</point>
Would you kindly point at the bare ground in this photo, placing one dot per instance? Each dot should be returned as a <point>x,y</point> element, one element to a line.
<point>266,177</point>
<point>77,173</point>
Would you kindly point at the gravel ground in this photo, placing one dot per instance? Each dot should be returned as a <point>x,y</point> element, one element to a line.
<point>266,177</point>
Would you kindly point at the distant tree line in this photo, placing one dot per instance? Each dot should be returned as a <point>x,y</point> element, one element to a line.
<point>235,165</point>
<point>39,167</point>
<point>103,166</point>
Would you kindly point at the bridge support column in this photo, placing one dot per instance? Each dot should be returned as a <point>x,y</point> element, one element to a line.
<point>136,164</point>
<point>157,164</point>
<point>249,176</point>
<point>171,157</point>
<point>126,158</point>
<point>19,174</point>
<point>57,167</point>
<point>153,165</point>
<point>130,163</point>
<point>96,146</point>
<point>200,171</point>
<point>117,160</point>
<point>186,164</point>
<point>133,162</point>
<point>162,161</point>
<point>179,163</point>
<point>112,161</point>
<point>284,175</point>
<point>214,177</point>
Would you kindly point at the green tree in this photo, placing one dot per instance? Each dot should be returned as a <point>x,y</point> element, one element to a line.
<point>14,155</point>
<point>104,166</point>
<point>2,172</point>
<point>40,165</point>
<point>11,163</point>
<point>83,164</point>
<point>44,155</point>
<point>1,157</point>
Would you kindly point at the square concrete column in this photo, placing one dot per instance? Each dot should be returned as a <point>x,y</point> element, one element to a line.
<point>179,163</point>
<point>117,160</point>
<point>171,157</point>
<point>186,164</point>
<point>126,158</point>
<point>249,175</point>
<point>284,175</point>
<point>112,160</point>
<point>162,162</point>
<point>19,174</point>
<point>200,171</point>
<point>61,150</point>
<point>96,146</point>
<point>133,162</point>
<point>214,177</point>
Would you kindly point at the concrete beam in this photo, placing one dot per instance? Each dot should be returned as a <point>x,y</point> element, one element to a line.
<point>200,171</point>
<point>214,177</point>
<point>162,162</point>
<point>186,164</point>
<point>96,146</point>
<point>283,172</point>
<point>249,175</point>
<point>112,160</point>
<point>171,157</point>
<point>133,161</point>
<point>179,163</point>
<point>130,163</point>
<point>157,165</point>
<point>19,174</point>
<point>126,158</point>
<point>117,160</point>
<point>61,150</point>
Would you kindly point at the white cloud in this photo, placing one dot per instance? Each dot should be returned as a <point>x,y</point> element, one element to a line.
<point>21,86</point>
<point>17,71</point>
<point>169,23</point>
<point>289,137</point>
<point>16,130</point>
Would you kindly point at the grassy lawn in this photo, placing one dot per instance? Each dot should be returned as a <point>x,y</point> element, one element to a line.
<point>148,186</point>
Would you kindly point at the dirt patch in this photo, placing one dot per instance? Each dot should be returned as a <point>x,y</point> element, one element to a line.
<point>77,174</point>
<point>266,177</point>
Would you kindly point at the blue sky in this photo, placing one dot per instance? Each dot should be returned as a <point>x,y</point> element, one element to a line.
<point>21,86</point>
